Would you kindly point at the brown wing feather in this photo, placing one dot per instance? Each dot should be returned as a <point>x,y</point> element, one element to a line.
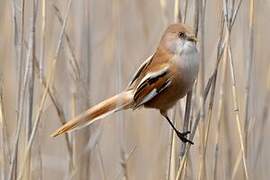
<point>151,64</point>
<point>153,76</point>
<point>150,88</point>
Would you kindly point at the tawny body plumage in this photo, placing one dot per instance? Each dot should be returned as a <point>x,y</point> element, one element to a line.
<point>159,83</point>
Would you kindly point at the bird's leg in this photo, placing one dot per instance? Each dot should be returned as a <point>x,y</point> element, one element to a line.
<point>181,135</point>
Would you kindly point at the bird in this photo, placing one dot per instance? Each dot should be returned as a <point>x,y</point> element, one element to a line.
<point>163,78</point>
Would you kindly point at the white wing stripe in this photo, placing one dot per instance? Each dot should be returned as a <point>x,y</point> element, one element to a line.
<point>148,97</point>
<point>153,75</point>
<point>153,93</point>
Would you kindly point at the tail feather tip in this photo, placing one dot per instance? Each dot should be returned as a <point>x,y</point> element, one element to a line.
<point>55,134</point>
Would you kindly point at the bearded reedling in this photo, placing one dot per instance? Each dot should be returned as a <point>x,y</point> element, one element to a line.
<point>163,79</point>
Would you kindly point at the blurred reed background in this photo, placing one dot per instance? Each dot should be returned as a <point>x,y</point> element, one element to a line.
<point>57,58</point>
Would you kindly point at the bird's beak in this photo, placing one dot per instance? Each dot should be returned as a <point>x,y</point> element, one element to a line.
<point>192,39</point>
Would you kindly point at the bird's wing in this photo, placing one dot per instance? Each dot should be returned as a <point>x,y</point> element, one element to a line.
<point>151,85</point>
<point>140,70</point>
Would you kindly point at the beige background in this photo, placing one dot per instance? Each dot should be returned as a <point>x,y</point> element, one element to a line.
<point>110,39</point>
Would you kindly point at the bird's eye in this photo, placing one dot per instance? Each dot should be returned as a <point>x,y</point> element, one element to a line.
<point>181,35</point>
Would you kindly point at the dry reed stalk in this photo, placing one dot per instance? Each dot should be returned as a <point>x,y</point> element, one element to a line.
<point>45,93</point>
<point>88,51</point>
<point>102,165</point>
<point>40,74</point>
<point>200,8</point>
<point>178,18</point>
<point>206,127</point>
<point>185,11</point>
<point>234,13</point>
<point>202,173</point>
<point>19,45</point>
<point>90,146</point>
<point>221,48</point>
<point>236,111</point>
<point>126,159</point>
<point>221,92</point>
<point>2,136</point>
<point>170,171</point>
<point>72,168</point>
<point>184,159</point>
<point>236,164</point>
<point>15,28</point>
<point>229,21</point>
<point>40,162</point>
<point>186,121</point>
<point>264,118</point>
<point>257,159</point>
<point>121,120</point>
<point>73,61</point>
<point>58,107</point>
<point>23,116</point>
<point>5,151</point>
<point>199,21</point>
<point>31,70</point>
<point>249,71</point>
<point>188,108</point>
<point>163,5</point>
<point>122,124</point>
<point>239,155</point>
<point>228,151</point>
<point>177,11</point>
<point>81,153</point>
<point>171,165</point>
<point>220,112</point>
<point>31,84</point>
<point>43,38</point>
<point>19,99</point>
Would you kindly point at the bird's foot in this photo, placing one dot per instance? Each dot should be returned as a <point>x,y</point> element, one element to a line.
<point>182,136</point>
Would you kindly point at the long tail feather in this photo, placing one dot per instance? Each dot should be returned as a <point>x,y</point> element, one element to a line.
<point>101,110</point>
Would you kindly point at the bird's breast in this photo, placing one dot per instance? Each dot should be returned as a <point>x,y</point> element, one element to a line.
<point>187,64</point>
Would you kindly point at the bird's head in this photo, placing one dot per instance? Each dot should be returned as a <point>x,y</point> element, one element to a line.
<point>178,38</point>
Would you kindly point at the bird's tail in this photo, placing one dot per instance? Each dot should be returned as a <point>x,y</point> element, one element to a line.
<point>101,110</point>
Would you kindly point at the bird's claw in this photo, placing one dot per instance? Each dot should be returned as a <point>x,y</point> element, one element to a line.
<point>182,136</point>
